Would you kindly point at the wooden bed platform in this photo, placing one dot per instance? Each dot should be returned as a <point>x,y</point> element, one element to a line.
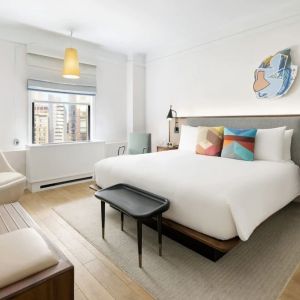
<point>203,244</point>
<point>54,283</point>
<point>206,245</point>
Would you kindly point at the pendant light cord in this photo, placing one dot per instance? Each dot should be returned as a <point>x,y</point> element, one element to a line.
<point>71,39</point>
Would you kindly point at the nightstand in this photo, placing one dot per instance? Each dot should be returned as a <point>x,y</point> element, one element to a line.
<point>166,148</point>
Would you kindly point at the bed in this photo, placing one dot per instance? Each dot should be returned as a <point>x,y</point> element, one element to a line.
<point>229,198</point>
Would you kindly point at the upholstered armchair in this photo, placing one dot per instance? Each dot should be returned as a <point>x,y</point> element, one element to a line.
<point>138,143</point>
<point>12,183</point>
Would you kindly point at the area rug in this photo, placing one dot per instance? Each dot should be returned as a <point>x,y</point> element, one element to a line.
<point>256,269</point>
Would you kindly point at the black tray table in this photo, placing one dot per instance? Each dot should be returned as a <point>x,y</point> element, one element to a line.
<point>136,203</point>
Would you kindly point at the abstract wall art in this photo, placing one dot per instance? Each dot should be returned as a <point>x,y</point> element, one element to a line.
<point>275,75</point>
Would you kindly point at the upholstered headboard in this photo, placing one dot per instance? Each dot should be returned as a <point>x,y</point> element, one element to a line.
<point>291,121</point>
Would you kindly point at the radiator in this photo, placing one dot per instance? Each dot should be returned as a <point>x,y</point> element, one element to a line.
<point>58,164</point>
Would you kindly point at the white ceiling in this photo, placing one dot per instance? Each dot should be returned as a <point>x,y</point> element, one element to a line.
<point>148,26</point>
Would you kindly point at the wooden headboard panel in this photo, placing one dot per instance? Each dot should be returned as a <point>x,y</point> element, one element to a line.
<point>291,121</point>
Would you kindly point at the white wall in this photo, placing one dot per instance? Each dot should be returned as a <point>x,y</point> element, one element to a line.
<point>139,98</point>
<point>110,107</point>
<point>13,96</point>
<point>217,78</point>
<point>136,94</point>
<point>110,104</point>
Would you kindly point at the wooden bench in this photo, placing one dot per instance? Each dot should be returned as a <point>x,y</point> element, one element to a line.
<point>53,283</point>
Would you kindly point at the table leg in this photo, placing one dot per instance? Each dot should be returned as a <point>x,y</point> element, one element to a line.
<point>159,225</point>
<point>139,236</point>
<point>103,217</point>
<point>122,221</point>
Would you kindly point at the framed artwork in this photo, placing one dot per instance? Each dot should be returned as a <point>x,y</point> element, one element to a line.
<point>275,75</point>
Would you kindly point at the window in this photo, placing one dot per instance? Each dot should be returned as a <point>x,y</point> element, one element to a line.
<point>60,117</point>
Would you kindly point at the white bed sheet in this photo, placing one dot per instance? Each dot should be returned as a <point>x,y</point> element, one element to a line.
<point>217,196</point>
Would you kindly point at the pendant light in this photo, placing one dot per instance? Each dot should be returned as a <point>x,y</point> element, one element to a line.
<point>71,64</point>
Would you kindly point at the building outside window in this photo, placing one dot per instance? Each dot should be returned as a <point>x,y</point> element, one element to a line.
<point>60,117</point>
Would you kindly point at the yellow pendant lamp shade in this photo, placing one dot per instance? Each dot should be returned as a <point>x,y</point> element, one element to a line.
<point>71,64</point>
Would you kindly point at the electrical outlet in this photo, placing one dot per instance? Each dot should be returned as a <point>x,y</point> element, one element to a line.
<point>16,142</point>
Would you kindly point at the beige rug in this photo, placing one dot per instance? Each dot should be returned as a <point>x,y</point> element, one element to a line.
<point>256,269</point>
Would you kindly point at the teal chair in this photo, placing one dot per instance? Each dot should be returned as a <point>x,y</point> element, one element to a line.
<point>138,143</point>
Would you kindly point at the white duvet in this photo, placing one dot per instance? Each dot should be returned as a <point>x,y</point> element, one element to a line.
<point>217,196</point>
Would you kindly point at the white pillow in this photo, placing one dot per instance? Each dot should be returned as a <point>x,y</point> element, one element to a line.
<point>188,138</point>
<point>269,144</point>
<point>288,134</point>
<point>23,253</point>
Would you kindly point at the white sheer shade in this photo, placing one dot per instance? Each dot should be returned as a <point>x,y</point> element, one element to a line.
<point>38,85</point>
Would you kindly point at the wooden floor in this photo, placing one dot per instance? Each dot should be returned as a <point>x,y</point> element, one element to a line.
<point>96,277</point>
<point>292,288</point>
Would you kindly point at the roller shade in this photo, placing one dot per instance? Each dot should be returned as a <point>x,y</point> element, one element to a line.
<point>38,85</point>
<point>45,74</point>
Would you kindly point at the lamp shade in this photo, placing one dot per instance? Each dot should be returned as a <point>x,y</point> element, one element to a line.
<point>170,113</point>
<point>71,64</point>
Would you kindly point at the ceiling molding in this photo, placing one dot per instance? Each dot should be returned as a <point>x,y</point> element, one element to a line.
<point>293,19</point>
<point>52,44</point>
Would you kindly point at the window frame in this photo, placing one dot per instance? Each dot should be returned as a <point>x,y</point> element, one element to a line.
<point>31,122</point>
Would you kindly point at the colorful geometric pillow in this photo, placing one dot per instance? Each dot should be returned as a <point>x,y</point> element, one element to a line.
<point>239,143</point>
<point>209,140</point>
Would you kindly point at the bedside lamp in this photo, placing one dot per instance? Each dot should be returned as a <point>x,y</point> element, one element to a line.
<point>170,116</point>
<point>170,113</point>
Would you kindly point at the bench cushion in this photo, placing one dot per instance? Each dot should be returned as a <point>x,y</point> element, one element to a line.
<point>23,253</point>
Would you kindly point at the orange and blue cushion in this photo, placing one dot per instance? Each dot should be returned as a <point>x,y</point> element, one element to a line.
<point>239,143</point>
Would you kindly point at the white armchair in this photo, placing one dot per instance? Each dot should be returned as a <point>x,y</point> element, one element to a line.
<point>12,183</point>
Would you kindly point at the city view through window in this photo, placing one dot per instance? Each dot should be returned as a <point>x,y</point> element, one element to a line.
<point>60,118</point>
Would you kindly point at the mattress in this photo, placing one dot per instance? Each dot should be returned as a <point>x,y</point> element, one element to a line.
<point>220,197</point>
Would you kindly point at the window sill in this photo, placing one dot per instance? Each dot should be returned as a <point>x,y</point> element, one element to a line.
<point>64,144</point>
<point>14,149</point>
